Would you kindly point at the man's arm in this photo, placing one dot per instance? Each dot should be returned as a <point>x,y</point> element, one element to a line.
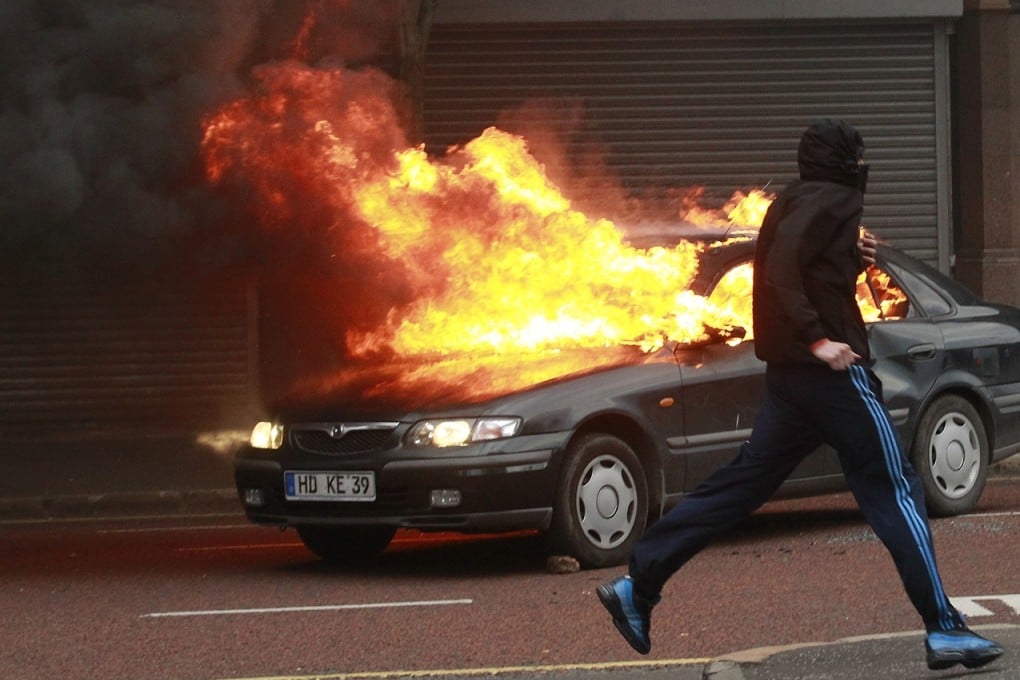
<point>837,355</point>
<point>790,249</point>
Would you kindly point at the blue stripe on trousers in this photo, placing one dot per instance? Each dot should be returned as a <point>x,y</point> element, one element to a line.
<point>904,500</point>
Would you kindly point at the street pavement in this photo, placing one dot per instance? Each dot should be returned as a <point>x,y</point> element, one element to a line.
<point>188,476</point>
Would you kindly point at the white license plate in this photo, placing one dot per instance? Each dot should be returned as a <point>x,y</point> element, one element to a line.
<point>329,486</point>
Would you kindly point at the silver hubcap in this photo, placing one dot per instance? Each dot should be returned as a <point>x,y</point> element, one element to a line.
<point>606,502</point>
<point>954,455</point>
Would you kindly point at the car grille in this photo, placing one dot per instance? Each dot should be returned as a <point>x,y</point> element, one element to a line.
<point>341,440</point>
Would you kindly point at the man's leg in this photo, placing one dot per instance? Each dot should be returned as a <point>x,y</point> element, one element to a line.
<point>779,441</point>
<point>891,497</point>
<point>887,490</point>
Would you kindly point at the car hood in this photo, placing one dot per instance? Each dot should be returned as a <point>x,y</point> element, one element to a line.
<point>407,389</point>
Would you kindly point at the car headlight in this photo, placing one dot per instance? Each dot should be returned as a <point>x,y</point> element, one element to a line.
<point>267,435</point>
<point>443,433</point>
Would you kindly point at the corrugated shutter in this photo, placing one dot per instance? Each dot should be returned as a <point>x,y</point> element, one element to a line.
<point>714,105</point>
<point>79,357</point>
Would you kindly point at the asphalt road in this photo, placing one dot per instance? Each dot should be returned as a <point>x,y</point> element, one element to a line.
<point>215,598</point>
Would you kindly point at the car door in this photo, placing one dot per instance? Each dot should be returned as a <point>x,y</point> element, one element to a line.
<point>907,345</point>
<point>722,387</point>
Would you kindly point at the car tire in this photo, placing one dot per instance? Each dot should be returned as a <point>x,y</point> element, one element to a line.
<point>345,545</point>
<point>601,505</point>
<point>950,453</point>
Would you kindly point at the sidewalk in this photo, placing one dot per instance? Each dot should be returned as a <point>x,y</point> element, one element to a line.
<point>138,476</point>
<point>878,657</point>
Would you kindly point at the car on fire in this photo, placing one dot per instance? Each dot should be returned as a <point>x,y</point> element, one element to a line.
<point>590,458</point>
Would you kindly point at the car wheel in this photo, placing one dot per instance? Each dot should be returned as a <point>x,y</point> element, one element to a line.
<point>950,453</point>
<point>601,505</point>
<point>345,545</point>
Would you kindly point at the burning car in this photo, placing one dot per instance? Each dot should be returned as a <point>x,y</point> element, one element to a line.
<point>508,360</point>
<point>590,445</point>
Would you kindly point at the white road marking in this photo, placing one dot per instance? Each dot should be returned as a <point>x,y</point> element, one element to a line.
<point>308,608</point>
<point>969,606</point>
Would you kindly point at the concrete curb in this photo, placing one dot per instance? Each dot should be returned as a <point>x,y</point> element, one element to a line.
<point>722,670</point>
<point>133,504</point>
<point>730,666</point>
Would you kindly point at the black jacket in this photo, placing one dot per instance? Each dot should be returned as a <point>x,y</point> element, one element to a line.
<point>807,261</point>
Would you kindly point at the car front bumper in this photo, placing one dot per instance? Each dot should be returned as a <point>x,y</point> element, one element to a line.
<point>499,490</point>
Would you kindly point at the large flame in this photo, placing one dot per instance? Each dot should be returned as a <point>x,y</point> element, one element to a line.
<point>491,258</point>
<point>525,273</point>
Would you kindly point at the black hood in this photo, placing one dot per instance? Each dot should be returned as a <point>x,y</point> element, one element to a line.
<point>830,151</point>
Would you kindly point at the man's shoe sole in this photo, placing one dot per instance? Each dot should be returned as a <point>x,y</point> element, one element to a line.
<point>609,600</point>
<point>969,659</point>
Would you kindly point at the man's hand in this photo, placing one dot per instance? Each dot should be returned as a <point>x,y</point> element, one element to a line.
<point>867,246</point>
<point>837,355</point>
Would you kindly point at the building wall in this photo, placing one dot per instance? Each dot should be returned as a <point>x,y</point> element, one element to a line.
<point>988,150</point>
<point>91,354</point>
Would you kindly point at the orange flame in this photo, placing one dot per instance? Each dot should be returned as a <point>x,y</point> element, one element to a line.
<point>748,209</point>
<point>528,273</point>
<point>492,258</point>
<point>878,297</point>
<point>742,209</point>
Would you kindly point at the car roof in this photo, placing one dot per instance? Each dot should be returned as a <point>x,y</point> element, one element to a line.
<point>650,234</point>
<point>933,277</point>
<point>733,243</point>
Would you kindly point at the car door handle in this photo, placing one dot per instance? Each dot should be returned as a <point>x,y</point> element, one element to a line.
<point>921,352</point>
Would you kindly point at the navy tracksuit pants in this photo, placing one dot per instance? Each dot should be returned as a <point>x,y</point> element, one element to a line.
<point>805,406</point>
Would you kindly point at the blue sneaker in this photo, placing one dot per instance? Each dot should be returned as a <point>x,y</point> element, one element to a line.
<point>632,614</point>
<point>949,647</point>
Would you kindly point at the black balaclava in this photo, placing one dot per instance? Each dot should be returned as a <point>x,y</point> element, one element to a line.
<point>831,151</point>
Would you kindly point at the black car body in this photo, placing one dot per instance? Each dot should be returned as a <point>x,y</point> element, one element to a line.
<point>591,458</point>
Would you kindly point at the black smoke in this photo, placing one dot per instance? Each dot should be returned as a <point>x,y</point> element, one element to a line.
<point>101,104</point>
<point>102,183</point>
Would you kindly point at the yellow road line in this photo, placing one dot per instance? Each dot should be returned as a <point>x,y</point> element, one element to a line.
<point>491,671</point>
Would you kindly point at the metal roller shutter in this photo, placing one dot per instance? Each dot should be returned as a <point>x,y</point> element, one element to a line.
<point>79,358</point>
<point>719,105</point>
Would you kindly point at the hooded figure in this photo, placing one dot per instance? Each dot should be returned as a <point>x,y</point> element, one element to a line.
<point>807,261</point>
<point>819,389</point>
<point>833,151</point>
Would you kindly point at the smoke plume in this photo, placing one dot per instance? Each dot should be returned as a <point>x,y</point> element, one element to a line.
<point>101,103</point>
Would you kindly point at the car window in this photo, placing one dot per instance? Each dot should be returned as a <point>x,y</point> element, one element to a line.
<point>880,297</point>
<point>926,297</point>
<point>733,290</point>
